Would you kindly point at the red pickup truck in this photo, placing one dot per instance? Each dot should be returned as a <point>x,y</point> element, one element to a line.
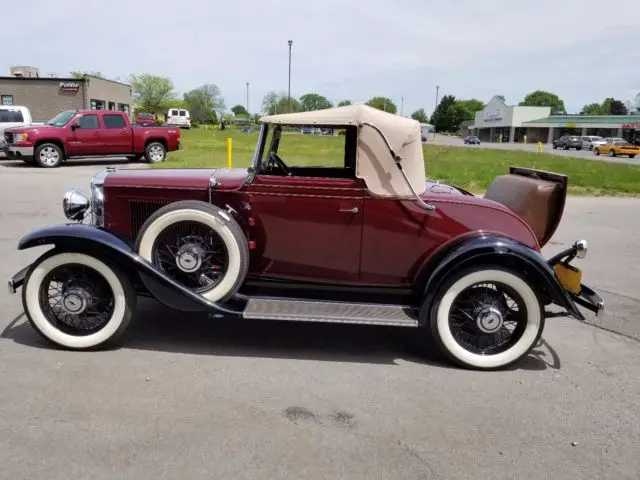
<point>89,133</point>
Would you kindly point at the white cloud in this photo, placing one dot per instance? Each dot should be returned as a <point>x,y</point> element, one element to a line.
<point>580,50</point>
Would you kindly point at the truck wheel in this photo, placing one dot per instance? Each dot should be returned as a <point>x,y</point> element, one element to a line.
<point>485,318</point>
<point>198,245</point>
<point>77,301</point>
<point>48,155</point>
<point>155,152</point>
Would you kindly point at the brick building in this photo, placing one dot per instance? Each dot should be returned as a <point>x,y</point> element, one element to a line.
<point>46,97</point>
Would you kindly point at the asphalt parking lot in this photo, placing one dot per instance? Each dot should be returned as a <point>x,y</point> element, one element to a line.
<point>546,148</point>
<point>190,397</point>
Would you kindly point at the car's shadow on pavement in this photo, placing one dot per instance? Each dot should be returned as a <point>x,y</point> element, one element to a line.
<point>157,328</point>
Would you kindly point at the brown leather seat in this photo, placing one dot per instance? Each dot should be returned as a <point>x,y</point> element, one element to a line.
<point>536,201</point>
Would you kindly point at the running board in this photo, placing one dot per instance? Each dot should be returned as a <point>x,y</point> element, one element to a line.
<point>330,312</point>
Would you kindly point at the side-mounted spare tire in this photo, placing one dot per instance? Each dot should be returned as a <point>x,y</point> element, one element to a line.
<point>198,245</point>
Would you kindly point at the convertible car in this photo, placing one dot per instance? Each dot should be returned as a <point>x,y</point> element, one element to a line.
<point>619,147</point>
<point>363,239</point>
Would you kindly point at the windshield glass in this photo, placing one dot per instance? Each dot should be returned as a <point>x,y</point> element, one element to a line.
<point>61,119</point>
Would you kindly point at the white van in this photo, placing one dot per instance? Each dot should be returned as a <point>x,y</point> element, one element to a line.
<point>179,117</point>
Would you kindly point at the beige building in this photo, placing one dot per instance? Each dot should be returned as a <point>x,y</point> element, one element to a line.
<point>501,122</point>
<point>46,97</point>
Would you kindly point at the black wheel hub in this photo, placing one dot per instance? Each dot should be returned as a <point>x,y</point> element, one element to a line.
<point>191,253</point>
<point>76,299</point>
<point>487,318</point>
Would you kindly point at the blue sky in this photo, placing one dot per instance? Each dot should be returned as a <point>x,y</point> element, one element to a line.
<point>583,51</point>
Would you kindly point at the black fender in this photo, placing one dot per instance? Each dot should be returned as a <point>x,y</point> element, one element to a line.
<point>104,245</point>
<point>496,250</point>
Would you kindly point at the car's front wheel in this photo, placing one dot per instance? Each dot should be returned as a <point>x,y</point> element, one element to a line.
<point>485,318</point>
<point>596,151</point>
<point>77,301</point>
<point>48,155</point>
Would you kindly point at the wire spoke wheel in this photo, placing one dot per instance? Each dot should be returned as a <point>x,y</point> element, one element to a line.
<point>191,253</point>
<point>488,318</point>
<point>76,299</point>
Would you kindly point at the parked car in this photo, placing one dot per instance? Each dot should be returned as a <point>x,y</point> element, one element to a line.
<point>614,149</point>
<point>12,116</point>
<point>590,141</point>
<point>371,241</point>
<point>144,119</point>
<point>179,117</point>
<point>89,133</point>
<point>471,140</point>
<point>568,141</point>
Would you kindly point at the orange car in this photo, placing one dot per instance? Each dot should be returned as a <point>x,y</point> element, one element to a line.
<point>617,148</point>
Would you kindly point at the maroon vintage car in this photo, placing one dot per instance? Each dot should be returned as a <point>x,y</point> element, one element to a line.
<point>367,242</point>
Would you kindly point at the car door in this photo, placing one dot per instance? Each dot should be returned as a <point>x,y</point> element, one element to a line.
<point>116,135</point>
<point>310,222</point>
<point>86,137</point>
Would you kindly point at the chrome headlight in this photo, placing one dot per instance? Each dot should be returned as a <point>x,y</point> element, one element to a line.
<point>97,198</point>
<point>75,205</point>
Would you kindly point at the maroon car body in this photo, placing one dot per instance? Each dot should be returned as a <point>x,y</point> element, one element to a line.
<point>370,241</point>
<point>89,133</point>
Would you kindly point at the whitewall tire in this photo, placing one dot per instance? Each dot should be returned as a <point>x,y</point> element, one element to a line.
<point>471,314</point>
<point>104,296</point>
<point>180,238</point>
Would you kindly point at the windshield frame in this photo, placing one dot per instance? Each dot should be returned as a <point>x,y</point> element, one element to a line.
<point>71,113</point>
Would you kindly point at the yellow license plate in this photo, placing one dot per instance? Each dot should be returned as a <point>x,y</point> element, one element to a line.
<point>570,277</point>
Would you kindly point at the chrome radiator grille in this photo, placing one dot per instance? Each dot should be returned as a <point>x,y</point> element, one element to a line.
<point>140,210</point>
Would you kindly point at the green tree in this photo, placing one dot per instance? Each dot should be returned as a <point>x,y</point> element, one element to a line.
<point>383,103</point>
<point>420,115</point>
<point>202,102</point>
<point>151,93</point>
<point>449,114</point>
<point>314,101</point>
<point>239,111</point>
<point>592,109</point>
<point>277,102</point>
<point>344,103</point>
<point>540,98</point>
<point>255,118</point>
<point>611,106</point>
<point>78,74</point>
<point>471,106</point>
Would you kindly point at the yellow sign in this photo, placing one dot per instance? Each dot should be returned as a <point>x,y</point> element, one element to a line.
<point>571,124</point>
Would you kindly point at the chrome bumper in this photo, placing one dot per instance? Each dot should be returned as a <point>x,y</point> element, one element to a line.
<point>589,300</point>
<point>20,151</point>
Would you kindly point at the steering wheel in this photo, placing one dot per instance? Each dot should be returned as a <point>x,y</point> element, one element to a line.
<point>274,160</point>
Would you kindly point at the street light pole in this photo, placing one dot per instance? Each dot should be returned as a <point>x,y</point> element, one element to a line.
<point>248,98</point>
<point>435,117</point>
<point>401,105</point>
<point>290,42</point>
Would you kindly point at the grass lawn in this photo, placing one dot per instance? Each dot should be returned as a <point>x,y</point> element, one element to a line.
<point>468,168</point>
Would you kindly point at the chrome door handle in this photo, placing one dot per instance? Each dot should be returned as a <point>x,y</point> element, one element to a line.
<point>350,210</point>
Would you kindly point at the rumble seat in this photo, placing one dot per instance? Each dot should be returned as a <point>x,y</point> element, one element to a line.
<point>537,201</point>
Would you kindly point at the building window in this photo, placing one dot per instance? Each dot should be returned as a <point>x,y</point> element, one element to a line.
<point>7,99</point>
<point>112,106</point>
<point>123,107</point>
<point>97,104</point>
<point>113,121</point>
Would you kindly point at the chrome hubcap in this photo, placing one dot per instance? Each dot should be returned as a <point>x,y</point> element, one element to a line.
<point>156,153</point>
<point>49,156</point>
<point>489,319</point>
<point>189,258</point>
<point>75,301</point>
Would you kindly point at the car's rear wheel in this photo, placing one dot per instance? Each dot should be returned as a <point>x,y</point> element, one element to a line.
<point>485,318</point>
<point>198,245</point>
<point>631,155</point>
<point>612,153</point>
<point>77,301</point>
<point>596,151</point>
<point>48,155</point>
<point>155,152</point>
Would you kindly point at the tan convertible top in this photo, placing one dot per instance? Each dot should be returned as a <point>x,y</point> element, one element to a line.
<point>374,163</point>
